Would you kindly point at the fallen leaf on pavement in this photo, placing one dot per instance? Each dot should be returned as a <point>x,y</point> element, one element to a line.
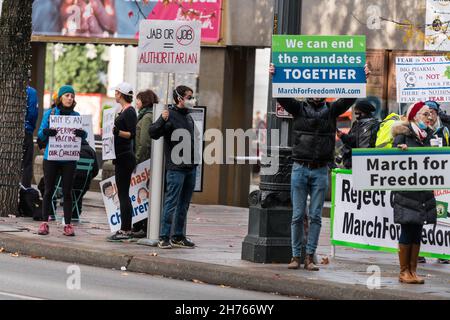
<point>2,249</point>
<point>154,254</point>
<point>325,261</point>
<point>15,254</point>
<point>197,281</point>
<point>124,274</point>
<point>224,286</point>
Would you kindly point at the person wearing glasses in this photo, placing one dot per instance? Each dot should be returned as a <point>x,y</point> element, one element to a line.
<point>413,209</point>
<point>180,172</point>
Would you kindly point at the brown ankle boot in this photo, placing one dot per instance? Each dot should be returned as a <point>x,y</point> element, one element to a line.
<point>404,254</point>
<point>309,263</point>
<point>414,255</point>
<point>295,263</point>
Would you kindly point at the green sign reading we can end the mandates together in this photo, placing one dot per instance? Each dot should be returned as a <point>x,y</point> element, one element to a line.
<point>308,43</point>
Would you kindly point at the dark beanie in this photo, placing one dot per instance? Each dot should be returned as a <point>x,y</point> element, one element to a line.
<point>365,106</point>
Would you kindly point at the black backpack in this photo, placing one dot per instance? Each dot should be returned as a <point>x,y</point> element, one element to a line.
<point>30,203</point>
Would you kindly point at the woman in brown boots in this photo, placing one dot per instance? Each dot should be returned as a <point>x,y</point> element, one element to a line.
<point>413,209</point>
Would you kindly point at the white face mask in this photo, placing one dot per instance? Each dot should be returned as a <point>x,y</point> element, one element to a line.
<point>189,104</point>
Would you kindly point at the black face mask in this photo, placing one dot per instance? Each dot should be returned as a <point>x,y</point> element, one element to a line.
<point>316,103</point>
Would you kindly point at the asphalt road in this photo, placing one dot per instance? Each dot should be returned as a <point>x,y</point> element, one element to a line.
<point>25,278</point>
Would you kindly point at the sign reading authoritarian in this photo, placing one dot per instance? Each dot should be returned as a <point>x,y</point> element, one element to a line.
<point>395,169</point>
<point>169,46</point>
<point>139,196</point>
<point>319,66</point>
<point>364,219</point>
<point>423,78</point>
<point>65,146</point>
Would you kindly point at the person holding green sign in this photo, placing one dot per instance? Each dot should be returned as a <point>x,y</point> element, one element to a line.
<point>313,136</point>
<point>413,209</point>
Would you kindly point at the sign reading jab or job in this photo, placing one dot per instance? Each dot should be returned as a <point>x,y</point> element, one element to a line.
<point>319,66</point>
<point>108,151</point>
<point>364,219</point>
<point>423,78</point>
<point>139,196</point>
<point>394,169</point>
<point>169,46</point>
<point>65,146</point>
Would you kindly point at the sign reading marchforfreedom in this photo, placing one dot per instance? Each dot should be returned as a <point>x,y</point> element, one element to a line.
<point>319,66</point>
<point>365,219</point>
<point>399,170</point>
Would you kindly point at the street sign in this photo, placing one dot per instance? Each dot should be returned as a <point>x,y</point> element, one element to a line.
<point>319,66</point>
<point>169,46</point>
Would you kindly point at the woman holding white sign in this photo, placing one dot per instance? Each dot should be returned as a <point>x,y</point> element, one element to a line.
<point>125,162</point>
<point>65,105</point>
<point>413,209</point>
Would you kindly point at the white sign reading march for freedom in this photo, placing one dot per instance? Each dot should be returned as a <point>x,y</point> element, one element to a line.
<point>395,169</point>
<point>423,78</point>
<point>139,196</point>
<point>65,146</point>
<point>438,16</point>
<point>365,219</point>
<point>108,151</point>
<point>169,46</point>
<point>319,66</point>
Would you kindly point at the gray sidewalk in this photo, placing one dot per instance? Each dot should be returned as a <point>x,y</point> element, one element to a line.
<point>218,232</point>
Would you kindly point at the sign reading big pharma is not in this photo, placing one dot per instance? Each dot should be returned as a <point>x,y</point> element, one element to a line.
<point>398,170</point>
<point>169,46</point>
<point>319,66</point>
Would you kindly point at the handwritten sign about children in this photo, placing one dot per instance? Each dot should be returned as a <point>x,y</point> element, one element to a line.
<point>65,146</point>
<point>108,151</point>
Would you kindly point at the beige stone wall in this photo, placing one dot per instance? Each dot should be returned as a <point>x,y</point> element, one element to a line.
<point>341,17</point>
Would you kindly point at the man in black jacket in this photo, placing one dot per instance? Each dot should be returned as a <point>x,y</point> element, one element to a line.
<point>363,133</point>
<point>180,166</point>
<point>313,136</point>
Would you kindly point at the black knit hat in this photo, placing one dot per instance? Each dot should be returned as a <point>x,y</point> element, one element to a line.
<point>365,106</point>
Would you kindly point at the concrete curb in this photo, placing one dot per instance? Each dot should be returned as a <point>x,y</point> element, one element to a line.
<point>236,277</point>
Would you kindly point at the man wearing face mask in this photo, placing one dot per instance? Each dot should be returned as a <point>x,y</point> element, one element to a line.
<point>313,136</point>
<point>180,173</point>
<point>363,133</point>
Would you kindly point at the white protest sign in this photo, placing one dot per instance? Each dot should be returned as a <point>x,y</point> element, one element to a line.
<point>169,46</point>
<point>65,146</point>
<point>437,17</point>
<point>88,127</point>
<point>198,115</point>
<point>423,78</point>
<point>394,169</point>
<point>108,150</point>
<point>139,196</point>
<point>364,219</point>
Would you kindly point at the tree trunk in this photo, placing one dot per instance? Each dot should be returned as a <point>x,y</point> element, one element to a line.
<point>15,59</point>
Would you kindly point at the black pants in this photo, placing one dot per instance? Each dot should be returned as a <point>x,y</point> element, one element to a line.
<point>124,166</point>
<point>411,234</point>
<point>27,160</point>
<point>51,171</point>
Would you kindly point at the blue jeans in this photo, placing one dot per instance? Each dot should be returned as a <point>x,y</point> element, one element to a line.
<point>179,190</point>
<point>304,182</point>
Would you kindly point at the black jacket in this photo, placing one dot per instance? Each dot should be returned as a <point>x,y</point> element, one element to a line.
<point>363,134</point>
<point>412,207</point>
<point>314,128</point>
<point>178,119</point>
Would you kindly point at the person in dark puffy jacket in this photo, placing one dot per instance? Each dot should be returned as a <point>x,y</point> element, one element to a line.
<point>413,209</point>
<point>313,143</point>
<point>363,133</point>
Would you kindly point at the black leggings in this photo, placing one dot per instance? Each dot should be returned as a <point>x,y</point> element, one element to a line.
<point>411,234</point>
<point>124,166</point>
<point>53,169</point>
